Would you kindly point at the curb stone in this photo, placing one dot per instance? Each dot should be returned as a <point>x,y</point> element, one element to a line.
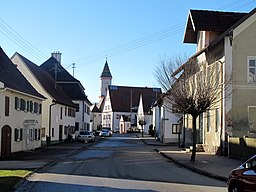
<point>193,168</point>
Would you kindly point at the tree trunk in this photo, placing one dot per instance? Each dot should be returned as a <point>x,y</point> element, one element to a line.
<point>194,134</point>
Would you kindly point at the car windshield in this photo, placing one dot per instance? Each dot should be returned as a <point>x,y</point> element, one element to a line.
<point>104,130</point>
<point>84,133</point>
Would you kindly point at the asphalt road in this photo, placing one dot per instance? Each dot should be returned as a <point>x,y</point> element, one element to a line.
<point>119,163</point>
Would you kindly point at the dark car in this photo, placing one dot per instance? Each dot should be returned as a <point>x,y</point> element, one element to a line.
<point>243,178</point>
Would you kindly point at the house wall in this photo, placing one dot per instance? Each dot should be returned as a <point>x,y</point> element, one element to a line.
<point>83,115</point>
<point>244,45</point>
<point>169,135</point>
<point>96,120</point>
<point>47,105</point>
<point>29,122</point>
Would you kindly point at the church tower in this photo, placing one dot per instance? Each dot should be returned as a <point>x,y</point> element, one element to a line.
<point>105,80</point>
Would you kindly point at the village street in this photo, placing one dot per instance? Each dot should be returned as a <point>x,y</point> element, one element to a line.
<point>119,163</point>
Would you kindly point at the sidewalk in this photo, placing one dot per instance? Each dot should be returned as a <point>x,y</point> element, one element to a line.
<point>211,165</point>
<point>44,156</point>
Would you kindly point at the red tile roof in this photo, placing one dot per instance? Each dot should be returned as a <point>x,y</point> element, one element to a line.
<point>124,98</point>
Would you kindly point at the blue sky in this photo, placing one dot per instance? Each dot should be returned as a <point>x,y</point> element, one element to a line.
<point>132,34</point>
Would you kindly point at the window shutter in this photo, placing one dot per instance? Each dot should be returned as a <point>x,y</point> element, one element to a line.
<point>17,102</point>
<point>36,134</point>
<point>39,134</point>
<point>40,109</point>
<point>7,106</point>
<point>31,106</point>
<point>16,134</point>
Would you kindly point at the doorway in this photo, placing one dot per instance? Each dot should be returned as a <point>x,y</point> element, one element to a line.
<point>6,141</point>
<point>60,132</point>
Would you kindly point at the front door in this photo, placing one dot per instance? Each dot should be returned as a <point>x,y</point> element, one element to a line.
<point>60,132</point>
<point>6,141</point>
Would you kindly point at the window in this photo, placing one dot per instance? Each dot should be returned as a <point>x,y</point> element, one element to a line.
<point>31,106</point>
<point>77,126</point>
<point>43,132</point>
<point>37,134</point>
<point>65,111</point>
<point>23,105</point>
<point>176,129</point>
<point>36,107</point>
<point>208,121</point>
<point>61,113</point>
<point>18,134</point>
<point>28,106</point>
<point>251,69</point>
<point>217,119</point>
<point>88,110</point>
<point>52,132</point>
<point>17,103</point>
<point>7,106</point>
<point>77,107</point>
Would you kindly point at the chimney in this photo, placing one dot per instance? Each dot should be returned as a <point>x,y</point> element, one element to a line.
<point>57,56</point>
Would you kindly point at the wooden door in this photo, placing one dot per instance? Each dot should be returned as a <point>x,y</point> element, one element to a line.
<point>6,141</point>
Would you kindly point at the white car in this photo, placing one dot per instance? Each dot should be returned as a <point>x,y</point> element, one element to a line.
<point>85,136</point>
<point>105,133</point>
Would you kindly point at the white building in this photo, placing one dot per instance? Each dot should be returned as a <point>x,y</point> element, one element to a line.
<point>20,110</point>
<point>167,125</point>
<point>58,111</point>
<point>73,89</point>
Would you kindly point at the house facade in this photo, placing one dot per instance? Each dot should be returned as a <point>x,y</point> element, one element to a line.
<point>167,125</point>
<point>73,89</point>
<point>230,39</point>
<point>20,110</point>
<point>58,110</point>
<point>123,102</point>
<point>96,118</point>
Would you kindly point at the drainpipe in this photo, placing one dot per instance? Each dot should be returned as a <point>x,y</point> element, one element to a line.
<point>48,140</point>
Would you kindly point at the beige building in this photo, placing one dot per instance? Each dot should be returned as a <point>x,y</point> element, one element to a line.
<point>229,38</point>
<point>58,110</point>
<point>20,110</point>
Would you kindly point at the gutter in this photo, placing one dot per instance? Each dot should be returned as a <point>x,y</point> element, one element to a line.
<point>50,124</point>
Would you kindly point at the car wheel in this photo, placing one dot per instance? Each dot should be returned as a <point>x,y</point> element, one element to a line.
<point>234,188</point>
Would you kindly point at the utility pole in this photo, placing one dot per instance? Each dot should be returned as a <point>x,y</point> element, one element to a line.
<point>73,66</point>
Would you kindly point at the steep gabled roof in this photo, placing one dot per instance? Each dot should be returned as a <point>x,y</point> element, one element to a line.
<point>48,83</point>
<point>62,74</point>
<point>95,109</point>
<point>12,77</point>
<point>204,20</point>
<point>124,98</point>
<point>72,87</point>
<point>106,71</point>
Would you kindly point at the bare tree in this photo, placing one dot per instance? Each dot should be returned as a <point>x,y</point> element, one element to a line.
<point>191,88</point>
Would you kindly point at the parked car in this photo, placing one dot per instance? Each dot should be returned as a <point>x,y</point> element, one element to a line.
<point>96,132</point>
<point>85,136</point>
<point>105,133</point>
<point>243,178</point>
<point>109,130</point>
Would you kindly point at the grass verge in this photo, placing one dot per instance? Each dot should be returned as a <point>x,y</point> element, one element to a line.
<point>8,178</point>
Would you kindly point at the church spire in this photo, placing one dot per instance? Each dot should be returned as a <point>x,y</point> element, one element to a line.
<point>105,80</point>
<point>106,70</point>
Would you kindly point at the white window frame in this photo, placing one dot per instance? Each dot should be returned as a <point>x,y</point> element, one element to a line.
<point>248,68</point>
